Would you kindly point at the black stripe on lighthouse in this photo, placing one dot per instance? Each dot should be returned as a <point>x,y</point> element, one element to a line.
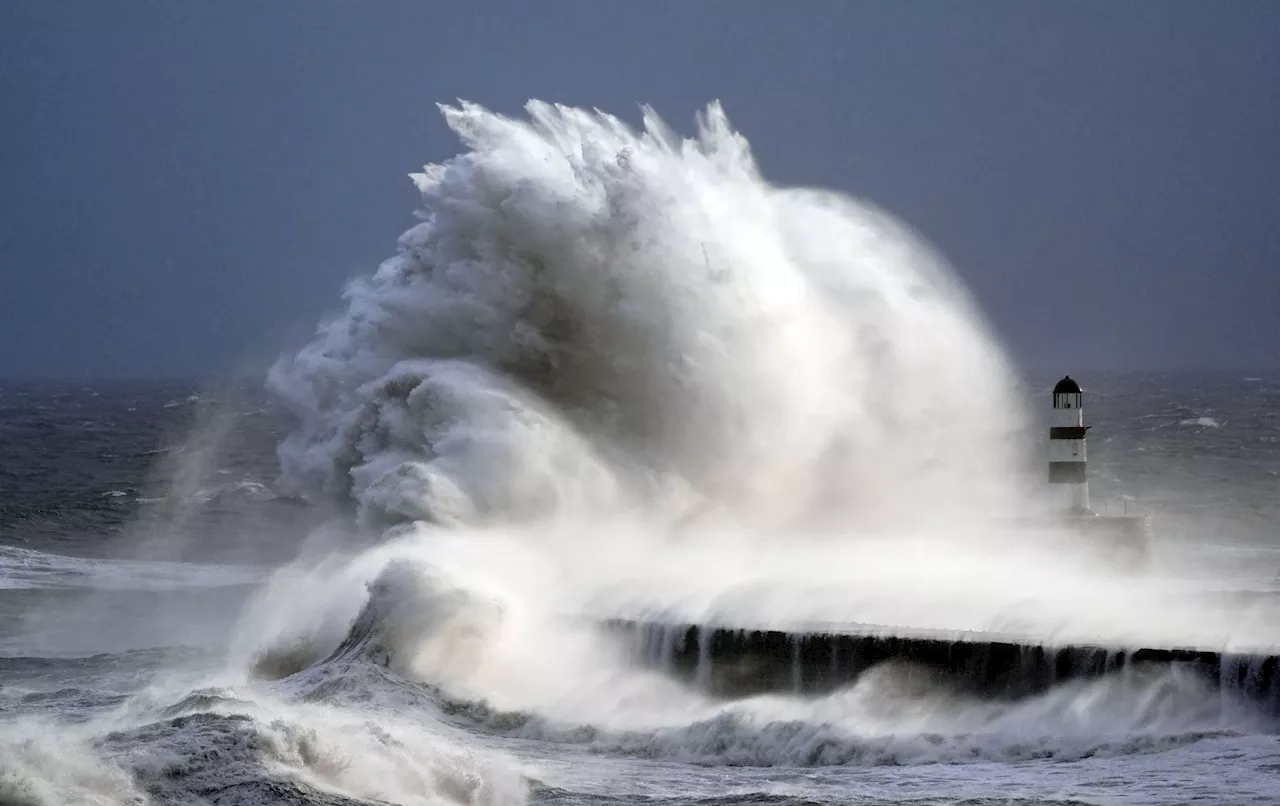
<point>1066,473</point>
<point>1068,431</point>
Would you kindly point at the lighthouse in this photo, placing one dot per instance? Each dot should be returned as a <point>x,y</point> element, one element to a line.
<point>1066,448</point>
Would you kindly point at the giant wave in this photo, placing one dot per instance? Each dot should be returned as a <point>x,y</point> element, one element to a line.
<point>594,319</point>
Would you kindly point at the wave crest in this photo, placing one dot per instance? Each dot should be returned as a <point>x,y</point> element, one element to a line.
<point>591,317</point>
<point>416,622</point>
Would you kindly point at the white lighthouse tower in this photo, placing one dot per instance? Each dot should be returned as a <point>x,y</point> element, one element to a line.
<point>1067,475</point>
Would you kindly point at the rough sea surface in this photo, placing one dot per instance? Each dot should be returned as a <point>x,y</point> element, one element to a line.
<point>617,372</point>
<point>117,680</point>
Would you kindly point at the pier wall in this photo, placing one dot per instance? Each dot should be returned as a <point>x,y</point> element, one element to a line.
<point>735,663</point>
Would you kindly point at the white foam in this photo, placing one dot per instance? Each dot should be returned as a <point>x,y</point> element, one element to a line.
<point>46,765</point>
<point>616,372</point>
<point>591,318</point>
<point>1202,422</point>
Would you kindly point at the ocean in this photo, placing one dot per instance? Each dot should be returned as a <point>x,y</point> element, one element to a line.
<point>617,372</point>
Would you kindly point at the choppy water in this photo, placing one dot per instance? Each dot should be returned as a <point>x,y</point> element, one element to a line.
<point>614,369</point>
<point>119,683</point>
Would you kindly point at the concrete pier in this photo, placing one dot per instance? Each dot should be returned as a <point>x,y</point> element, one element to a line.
<point>735,663</point>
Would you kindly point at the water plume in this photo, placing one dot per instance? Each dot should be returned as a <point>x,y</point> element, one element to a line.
<point>594,319</point>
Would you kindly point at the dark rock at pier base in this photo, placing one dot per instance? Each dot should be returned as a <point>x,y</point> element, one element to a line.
<point>734,663</point>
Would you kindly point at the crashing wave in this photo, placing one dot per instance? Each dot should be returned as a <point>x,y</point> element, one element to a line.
<point>592,318</point>
<point>416,622</point>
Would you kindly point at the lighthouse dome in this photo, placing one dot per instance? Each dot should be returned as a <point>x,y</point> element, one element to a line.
<point>1066,386</point>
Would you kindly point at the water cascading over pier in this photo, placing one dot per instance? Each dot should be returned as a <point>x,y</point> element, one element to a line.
<point>728,662</point>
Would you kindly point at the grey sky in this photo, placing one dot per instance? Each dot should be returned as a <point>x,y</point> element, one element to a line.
<point>182,182</point>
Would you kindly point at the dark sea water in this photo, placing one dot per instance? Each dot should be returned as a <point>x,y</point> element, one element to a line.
<point>139,520</point>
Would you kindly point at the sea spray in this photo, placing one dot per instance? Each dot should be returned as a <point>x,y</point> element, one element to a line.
<point>419,649</point>
<point>619,367</point>
<point>595,319</point>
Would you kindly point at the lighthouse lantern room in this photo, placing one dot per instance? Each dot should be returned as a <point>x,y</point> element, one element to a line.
<point>1067,474</point>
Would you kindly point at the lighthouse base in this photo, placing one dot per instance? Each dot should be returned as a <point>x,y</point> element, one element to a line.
<point>1122,542</point>
<point>1126,538</point>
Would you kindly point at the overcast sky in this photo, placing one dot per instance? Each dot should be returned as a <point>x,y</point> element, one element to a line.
<point>182,183</point>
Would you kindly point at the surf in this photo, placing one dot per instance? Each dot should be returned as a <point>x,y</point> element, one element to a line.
<point>594,319</point>
<point>616,371</point>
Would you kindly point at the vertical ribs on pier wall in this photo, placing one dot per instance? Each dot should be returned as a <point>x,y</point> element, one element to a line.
<point>734,663</point>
